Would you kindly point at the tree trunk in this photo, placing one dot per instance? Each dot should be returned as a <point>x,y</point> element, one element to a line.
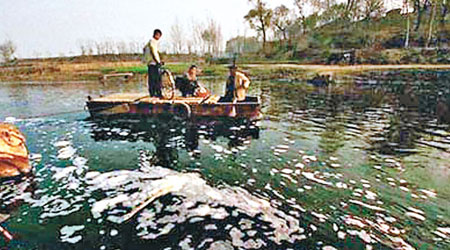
<point>264,39</point>
<point>406,9</point>
<point>441,34</point>
<point>419,11</point>
<point>430,29</point>
<point>407,32</point>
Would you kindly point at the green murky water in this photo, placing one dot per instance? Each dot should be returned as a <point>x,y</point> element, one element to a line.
<point>360,164</point>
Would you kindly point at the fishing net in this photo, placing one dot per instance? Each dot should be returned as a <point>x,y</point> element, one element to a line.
<point>167,85</point>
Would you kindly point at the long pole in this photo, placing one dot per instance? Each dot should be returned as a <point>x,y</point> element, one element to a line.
<point>8,236</point>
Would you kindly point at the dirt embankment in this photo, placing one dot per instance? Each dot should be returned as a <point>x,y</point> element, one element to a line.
<point>59,71</point>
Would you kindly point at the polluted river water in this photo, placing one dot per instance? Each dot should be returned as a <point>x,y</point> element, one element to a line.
<point>360,164</point>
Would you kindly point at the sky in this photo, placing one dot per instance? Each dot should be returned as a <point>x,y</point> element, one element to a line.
<point>43,28</point>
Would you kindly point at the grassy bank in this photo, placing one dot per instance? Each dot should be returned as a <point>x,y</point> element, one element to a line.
<point>84,70</point>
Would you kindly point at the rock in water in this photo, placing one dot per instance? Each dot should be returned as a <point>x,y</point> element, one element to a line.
<point>13,152</point>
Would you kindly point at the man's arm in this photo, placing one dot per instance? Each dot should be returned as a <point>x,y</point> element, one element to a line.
<point>245,81</point>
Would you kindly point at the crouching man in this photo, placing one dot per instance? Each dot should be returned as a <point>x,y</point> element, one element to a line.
<point>237,85</point>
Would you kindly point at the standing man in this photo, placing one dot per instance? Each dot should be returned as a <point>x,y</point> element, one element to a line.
<point>151,57</point>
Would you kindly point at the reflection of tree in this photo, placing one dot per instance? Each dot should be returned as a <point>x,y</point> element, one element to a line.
<point>414,100</point>
<point>332,138</point>
<point>404,124</point>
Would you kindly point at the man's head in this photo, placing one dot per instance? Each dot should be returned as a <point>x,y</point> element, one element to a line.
<point>193,69</point>
<point>157,34</point>
<point>233,69</point>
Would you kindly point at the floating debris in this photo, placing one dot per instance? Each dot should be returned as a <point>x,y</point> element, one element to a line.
<point>310,176</point>
<point>352,221</point>
<point>443,232</point>
<point>62,144</point>
<point>66,152</point>
<point>287,171</point>
<point>186,185</point>
<point>113,232</point>
<point>415,216</point>
<point>299,165</point>
<point>64,172</point>
<point>429,193</point>
<point>68,231</point>
<point>371,207</point>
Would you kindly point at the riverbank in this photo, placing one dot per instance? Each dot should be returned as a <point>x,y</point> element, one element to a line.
<point>55,70</point>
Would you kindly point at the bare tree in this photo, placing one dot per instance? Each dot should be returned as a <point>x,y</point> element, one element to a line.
<point>212,37</point>
<point>99,48</point>
<point>444,7</point>
<point>7,50</point>
<point>122,47</point>
<point>373,8</point>
<point>406,13</point>
<point>430,25</point>
<point>176,37</point>
<point>83,48</point>
<point>260,18</point>
<point>322,5</point>
<point>135,47</point>
<point>281,20</point>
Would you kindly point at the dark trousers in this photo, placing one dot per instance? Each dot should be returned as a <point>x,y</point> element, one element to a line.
<point>229,89</point>
<point>154,80</point>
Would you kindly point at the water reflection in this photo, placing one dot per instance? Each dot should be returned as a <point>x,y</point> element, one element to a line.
<point>169,134</point>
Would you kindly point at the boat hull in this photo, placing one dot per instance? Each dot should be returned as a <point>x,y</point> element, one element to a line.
<point>133,105</point>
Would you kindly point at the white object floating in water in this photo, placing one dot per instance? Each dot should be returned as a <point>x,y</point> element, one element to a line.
<point>35,157</point>
<point>354,222</point>
<point>92,174</point>
<point>68,231</point>
<point>415,210</point>
<point>370,195</point>
<point>415,216</point>
<point>321,217</point>
<point>428,193</point>
<point>287,171</point>
<point>341,185</point>
<point>64,172</point>
<point>62,144</point>
<point>10,119</point>
<point>283,147</point>
<point>79,161</point>
<point>310,176</point>
<point>371,207</point>
<point>299,165</point>
<point>443,232</point>
<point>310,157</point>
<point>105,204</point>
<point>217,148</point>
<point>335,165</point>
<point>114,232</point>
<point>66,153</point>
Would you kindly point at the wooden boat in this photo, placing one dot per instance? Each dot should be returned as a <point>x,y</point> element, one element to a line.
<point>13,152</point>
<point>142,104</point>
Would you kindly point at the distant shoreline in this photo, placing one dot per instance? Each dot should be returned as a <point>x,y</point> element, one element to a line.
<point>65,70</point>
